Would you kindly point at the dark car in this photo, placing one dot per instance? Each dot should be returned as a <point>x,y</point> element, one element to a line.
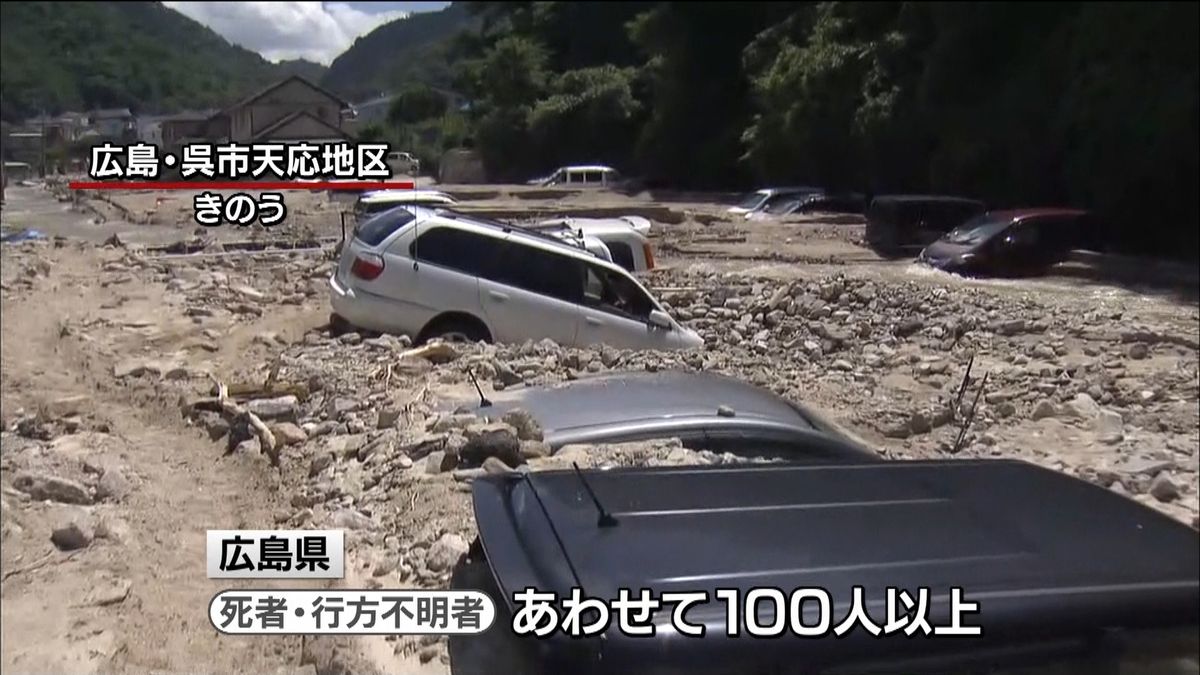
<point>704,410</point>
<point>1019,242</point>
<point>897,224</point>
<point>1068,577</point>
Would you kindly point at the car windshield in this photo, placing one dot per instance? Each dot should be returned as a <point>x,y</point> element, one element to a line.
<point>976,230</point>
<point>752,200</point>
<point>783,207</point>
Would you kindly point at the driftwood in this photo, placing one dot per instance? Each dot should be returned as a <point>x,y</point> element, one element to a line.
<point>235,413</point>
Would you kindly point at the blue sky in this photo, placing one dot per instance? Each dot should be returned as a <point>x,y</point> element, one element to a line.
<point>317,31</point>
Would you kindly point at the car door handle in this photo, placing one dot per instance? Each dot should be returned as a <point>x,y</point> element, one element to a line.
<point>497,295</point>
<point>594,321</point>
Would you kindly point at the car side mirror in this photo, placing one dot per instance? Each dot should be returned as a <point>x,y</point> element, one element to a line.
<point>659,319</point>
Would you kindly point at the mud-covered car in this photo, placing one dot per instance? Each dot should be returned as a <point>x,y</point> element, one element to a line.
<point>1060,576</point>
<point>1013,243</point>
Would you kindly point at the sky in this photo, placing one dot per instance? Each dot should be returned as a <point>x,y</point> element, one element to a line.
<point>317,31</point>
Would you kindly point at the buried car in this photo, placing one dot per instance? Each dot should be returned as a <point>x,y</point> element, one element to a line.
<point>760,199</point>
<point>888,559</point>
<point>1026,241</point>
<point>897,224</point>
<point>704,410</point>
<point>619,240</point>
<point>436,273</point>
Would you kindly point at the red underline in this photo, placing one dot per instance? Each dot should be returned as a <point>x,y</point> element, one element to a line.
<point>240,185</point>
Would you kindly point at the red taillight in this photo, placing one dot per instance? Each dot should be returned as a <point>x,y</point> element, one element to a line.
<point>365,267</point>
<point>649,256</point>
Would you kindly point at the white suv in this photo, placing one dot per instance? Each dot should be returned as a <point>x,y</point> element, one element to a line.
<point>428,273</point>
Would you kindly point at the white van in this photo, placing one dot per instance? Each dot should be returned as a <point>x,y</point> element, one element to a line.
<point>428,273</point>
<point>588,175</point>
<point>622,240</point>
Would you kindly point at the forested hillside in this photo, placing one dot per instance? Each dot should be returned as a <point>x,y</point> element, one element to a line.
<point>1093,104</point>
<point>80,55</point>
<point>416,48</point>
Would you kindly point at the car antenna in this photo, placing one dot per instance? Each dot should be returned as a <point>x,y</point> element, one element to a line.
<point>483,401</point>
<point>962,432</point>
<point>606,519</point>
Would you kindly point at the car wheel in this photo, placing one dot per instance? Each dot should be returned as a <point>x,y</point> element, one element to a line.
<point>456,330</point>
<point>497,650</point>
<point>339,325</point>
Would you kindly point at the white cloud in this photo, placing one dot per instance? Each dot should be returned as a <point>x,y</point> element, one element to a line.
<point>287,30</point>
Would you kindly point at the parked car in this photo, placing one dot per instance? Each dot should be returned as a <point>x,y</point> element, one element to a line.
<point>428,273</point>
<point>760,199</point>
<point>584,175</point>
<point>704,410</point>
<point>404,163</point>
<point>1026,241</point>
<point>900,223</point>
<point>810,203</point>
<point>1068,576</point>
<point>620,240</point>
<point>371,203</point>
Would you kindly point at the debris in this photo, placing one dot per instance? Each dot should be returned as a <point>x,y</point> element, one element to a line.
<point>53,488</point>
<point>72,535</point>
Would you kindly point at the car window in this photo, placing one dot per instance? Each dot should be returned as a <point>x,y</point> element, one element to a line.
<point>622,254</point>
<point>615,293</point>
<point>539,271</point>
<point>455,249</point>
<point>383,225</point>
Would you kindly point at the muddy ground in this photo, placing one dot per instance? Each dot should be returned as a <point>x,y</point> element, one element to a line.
<point>111,474</point>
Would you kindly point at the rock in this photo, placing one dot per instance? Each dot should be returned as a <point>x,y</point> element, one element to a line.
<point>493,465</point>
<point>113,529</point>
<point>136,368</point>
<point>919,424</point>
<point>523,422</point>
<point>350,338</point>
<point>113,486</point>
<point>287,433</point>
<point>53,488</point>
<point>387,418</point>
<point>908,327</point>
<point>534,450</point>
<point>444,553</point>
<point>1006,409</point>
<point>1110,428</point>
<point>349,519</point>
<point>506,376</point>
<point>1138,351</point>
<point>1044,351</point>
<point>1163,489</point>
<point>213,423</point>
<point>338,407</point>
<point>1082,407</point>
<point>1045,408</point>
<point>841,364</point>
<point>67,406</point>
<point>281,408</point>
<point>435,461</point>
<point>1010,328</point>
<point>468,475</point>
<point>319,463</point>
<point>386,566</point>
<point>491,440</point>
<point>726,411</point>
<point>107,592</point>
<point>72,535</point>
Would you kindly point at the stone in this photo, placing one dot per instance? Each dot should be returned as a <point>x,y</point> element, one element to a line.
<point>918,423</point>
<point>523,422</point>
<point>107,591</point>
<point>1138,351</point>
<point>841,364</point>
<point>280,408</point>
<point>67,406</point>
<point>338,407</point>
<point>507,376</point>
<point>1044,408</point>
<point>136,368</point>
<point>213,423</point>
<point>1082,407</point>
<point>319,463</point>
<point>387,418</point>
<point>1044,351</point>
<point>726,411</point>
<point>53,488</point>
<point>287,433</point>
<point>386,565</point>
<point>113,529</point>
<point>72,535</point>
<point>113,486</point>
<point>493,465</point>
<point>1163,489</point>
<point>908,327</point>
<point>1110,428</point>
<point>491,440</point>
<point>444,554</point>
<point>534,450</point>
<point>349,519</point>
